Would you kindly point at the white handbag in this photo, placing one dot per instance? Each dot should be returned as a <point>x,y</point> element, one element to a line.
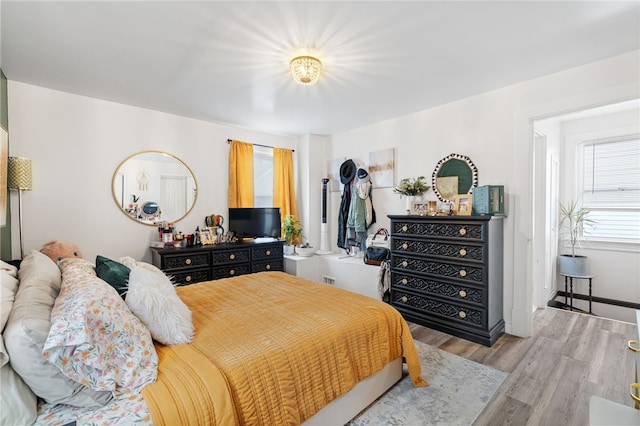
<point>379,239</point>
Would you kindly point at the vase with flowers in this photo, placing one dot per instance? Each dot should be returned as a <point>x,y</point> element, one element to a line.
<point>411,188</point>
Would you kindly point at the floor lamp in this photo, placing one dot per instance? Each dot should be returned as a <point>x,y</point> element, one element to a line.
<point>19,179</point>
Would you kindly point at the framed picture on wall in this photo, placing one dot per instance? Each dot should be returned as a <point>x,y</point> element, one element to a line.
<point>463,205</point>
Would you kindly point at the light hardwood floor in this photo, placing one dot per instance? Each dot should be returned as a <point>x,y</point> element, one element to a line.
<point>552,374</point>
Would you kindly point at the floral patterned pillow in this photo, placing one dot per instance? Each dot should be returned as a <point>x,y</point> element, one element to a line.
<point>94,338</point>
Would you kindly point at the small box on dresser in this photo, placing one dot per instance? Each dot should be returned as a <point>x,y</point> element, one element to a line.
<point>446,274</point>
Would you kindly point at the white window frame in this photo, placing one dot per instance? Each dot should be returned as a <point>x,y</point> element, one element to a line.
<point>577,143</point>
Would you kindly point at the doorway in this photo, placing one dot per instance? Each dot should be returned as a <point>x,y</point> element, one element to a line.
<point>555,178</point>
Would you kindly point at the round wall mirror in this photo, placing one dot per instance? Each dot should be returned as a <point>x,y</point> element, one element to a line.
<point>454,174</point>
<point>154,186</point>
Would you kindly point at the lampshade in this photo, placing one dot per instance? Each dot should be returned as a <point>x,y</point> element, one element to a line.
<point>305,69</point>
<point>19,173</point>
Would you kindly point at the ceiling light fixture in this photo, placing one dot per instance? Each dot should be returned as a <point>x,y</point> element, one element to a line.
<point>305,69</point>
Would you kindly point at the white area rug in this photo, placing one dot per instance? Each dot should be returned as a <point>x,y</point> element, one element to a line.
<point>458,391</point>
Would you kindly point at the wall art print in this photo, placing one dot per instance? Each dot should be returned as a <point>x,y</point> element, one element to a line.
<point>381,167</point>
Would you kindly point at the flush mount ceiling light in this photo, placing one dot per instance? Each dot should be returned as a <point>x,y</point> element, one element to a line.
<point>305,69</point>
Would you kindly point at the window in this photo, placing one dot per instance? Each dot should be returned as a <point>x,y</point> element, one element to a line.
<point>262,176</point>
<point>610,171</point>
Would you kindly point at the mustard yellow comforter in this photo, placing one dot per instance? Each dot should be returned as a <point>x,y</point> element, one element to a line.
<point>273,349</point>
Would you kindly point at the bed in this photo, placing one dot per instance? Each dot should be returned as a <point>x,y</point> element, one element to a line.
<point>268,348</point>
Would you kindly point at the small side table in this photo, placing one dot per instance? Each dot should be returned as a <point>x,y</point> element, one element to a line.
<point>570,278</point>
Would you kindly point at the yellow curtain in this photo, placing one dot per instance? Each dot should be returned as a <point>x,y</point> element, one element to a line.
<point>240,174</point>
<point>284,194</point>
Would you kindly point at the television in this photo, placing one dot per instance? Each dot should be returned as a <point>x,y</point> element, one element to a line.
<point>255,222</point>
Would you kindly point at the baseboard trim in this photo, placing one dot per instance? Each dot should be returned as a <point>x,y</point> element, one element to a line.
<point>596,299</point>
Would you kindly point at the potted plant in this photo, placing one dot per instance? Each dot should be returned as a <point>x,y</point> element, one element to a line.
<point>292,231</point>
<point>411,188</point>
<point>572,222</point>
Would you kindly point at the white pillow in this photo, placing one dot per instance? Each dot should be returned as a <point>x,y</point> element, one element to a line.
<point>8,290</point>
<point>27,329</point>
<point>153,299</point>
<point>18,405</point>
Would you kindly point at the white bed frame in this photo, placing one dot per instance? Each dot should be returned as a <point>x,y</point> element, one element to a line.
<point>346,407</point>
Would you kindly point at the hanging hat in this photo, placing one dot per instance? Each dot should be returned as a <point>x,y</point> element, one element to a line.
<point>362,174</point>
<point>347,171</point>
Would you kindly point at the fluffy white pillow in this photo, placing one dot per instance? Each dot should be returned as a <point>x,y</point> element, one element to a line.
<point>153,299</point>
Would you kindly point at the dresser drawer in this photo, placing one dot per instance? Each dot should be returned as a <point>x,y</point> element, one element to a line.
<point>172,262</point>
<point>191,276</point>
<point>463,272</point>
<point>230,270</point>
<point>267,265</point>
<point>266,253</point>
<point>449,290</point>
<point>440,229</point>
<point>231,256</point>
<point>460,251</point>
<point>423,305</point>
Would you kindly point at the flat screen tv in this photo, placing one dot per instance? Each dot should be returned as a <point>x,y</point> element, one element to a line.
<point>255,222</point>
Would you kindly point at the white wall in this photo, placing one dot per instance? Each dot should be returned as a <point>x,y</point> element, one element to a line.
<point>77,142</point>
<point>495,130</point>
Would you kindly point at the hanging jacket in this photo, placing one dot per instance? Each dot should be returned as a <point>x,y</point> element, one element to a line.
<point>347,173</point>
<point>361,213</point>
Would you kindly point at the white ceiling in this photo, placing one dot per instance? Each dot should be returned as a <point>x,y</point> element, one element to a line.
<point>227,62</point>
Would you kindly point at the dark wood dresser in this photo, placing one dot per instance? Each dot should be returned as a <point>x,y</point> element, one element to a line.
<point>189,265</point>
<point>446,274</point>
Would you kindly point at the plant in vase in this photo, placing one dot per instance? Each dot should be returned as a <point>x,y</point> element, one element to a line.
<point>572,222</point>
<point>292,231</point>
<point>411,188</point>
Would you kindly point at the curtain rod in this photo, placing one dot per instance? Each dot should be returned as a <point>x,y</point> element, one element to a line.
<point>257,144</point>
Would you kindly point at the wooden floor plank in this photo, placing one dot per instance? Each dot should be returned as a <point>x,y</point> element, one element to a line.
<point>553,373</point>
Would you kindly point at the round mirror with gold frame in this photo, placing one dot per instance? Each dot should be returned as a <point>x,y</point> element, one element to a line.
<point>454,174</point>
<point>154,186</point>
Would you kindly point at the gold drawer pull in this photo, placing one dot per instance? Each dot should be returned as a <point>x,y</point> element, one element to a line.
<point>462,314</point>
<point>635,343</point>
<point>463,273</point>
<point>233,256</point>
<point>232,272</point>
<point>187,261</point>
<point>463,252</point>
<point>405,246</point>
<point>268,252</point>
<point>405,228</point>
<point>462,293</point>
<point>404,281</point>
<point>463,231</point>
<point>188,278</point>
<point>268,267</point>
<point>404,299</point>
<point>405,263</point>
<point>634,395</point>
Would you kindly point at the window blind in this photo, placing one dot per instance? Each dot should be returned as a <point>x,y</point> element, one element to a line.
<point>611,187</point>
